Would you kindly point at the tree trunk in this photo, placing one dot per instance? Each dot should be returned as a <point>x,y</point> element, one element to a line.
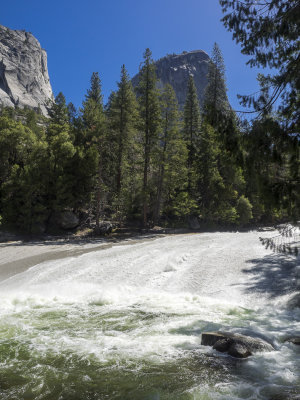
<point>159,194</point>
<point>120,154</point>
<point>147,156</point>
<point>145,183</point>
<point>99,189</point>
<point>162,173</point>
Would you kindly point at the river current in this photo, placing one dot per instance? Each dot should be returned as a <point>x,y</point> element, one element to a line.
<point>125,322</point>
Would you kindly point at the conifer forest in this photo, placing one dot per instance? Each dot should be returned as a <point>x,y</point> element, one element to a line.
<point>139,159</point>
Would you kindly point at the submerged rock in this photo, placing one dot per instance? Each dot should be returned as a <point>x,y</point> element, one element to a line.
<point>236,345</point>
<point>222,345</point>
<point>239,350</point>
<point>294,302</point>
<point>294,340</point>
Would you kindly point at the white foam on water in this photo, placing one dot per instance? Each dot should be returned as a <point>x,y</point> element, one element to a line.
<point>152,300</point>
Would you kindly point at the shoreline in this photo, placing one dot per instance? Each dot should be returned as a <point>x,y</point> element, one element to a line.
<point>20,252</point>
<point>20,255</point>
<point>17,256</point>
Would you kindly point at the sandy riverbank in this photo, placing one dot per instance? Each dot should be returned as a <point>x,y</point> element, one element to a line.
<point>18,256</point>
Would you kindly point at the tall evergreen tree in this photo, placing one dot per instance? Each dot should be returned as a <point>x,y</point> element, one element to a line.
<point>148,98</point>
<point>210,181</point>
<point>60,152</point>
<point>272,170</point>
<point>216,104</point>
<point>94,125</point>
<point>216,108</point>
<point>22,176</point>
<point>192,130</point>
<point>123,117</point>
<point>171,156</point>
<point>58,111</point>
<point>269,31</point>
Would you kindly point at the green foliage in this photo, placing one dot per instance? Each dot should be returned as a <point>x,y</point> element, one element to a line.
<point>139,155</point>
<point>150,120</point>
<point>170,158</point>
<point>221,178</point>
<point>60,152</point>
<point>58,111</point>
<point>21,179</point>
<point>182,206</point>
<point>244,210</point>
<point>272,170</point>
<point>227,215</point>
<point>191,131</point>
<point>268,31</point>
<point>123,120</point>
<point>210,182</point>
<point>95,140</point>
<point>216,106</point>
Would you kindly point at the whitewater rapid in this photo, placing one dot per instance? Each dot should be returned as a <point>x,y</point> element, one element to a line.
<point>139,309</point>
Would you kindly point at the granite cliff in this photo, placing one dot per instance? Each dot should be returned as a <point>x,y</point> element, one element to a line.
<point>24,79</point>
<point>175,70</point>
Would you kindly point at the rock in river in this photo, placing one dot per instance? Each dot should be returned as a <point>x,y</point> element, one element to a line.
<point>236,345</point>
<point>294,340</point>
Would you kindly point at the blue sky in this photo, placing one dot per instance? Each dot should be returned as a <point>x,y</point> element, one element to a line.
<point>96,35</point>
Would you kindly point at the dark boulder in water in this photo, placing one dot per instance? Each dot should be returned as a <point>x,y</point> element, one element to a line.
<point>294,340</point>
<point>294,302</point>
<point>236,345</point>
<point>239,350</point>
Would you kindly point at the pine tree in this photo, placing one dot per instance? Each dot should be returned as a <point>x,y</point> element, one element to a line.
<point>268,31</point>
<point>94,125</point>
<point>171,156</point>
<point>148,98</point>
<point>60,153</point>
<point>218,114</point>
<point>58,111</point>
<point>123,119</point>
<point>210,181</point>
<point>191,130</point>
<point>272,170</point>
<point>216,106</point>
<point>22,177</point>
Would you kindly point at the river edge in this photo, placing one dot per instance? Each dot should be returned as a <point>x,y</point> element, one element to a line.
<point>19,252</point>
<point>19,255</point>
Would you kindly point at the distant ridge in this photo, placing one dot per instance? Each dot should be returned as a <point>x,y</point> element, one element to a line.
<point>175,70</point>
<point>24,78</point>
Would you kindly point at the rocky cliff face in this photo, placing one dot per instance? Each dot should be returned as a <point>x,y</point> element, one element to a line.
<point>24,79</point>
<point>175,70</point>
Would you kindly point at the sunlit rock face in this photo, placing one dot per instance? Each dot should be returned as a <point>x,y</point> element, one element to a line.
<point>24,79</point>
<point>175,70</point>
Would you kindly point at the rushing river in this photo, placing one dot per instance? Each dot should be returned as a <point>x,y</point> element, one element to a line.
<point>125,322</point>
